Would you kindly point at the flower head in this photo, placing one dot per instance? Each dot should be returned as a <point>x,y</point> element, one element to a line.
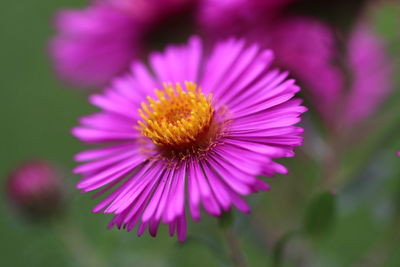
<point>94,44</point>
<point>346,80</point>
<point>34,189</point>
<point>241,18</point>
<point>197,125</point>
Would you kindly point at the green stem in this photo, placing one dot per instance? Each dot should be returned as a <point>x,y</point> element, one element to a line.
<point>279,247</point>
<point>236,253</point>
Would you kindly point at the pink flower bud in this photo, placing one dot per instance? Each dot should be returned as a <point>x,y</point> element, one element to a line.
<point>34,189</point>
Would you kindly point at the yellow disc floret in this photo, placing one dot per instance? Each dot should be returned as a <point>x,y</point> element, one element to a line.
<point>178,117</point>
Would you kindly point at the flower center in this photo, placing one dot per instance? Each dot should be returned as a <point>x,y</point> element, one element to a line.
<point>179,118</point>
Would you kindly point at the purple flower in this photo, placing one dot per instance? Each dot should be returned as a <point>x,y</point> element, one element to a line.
<point>346,84</point>
<point>94,44</point>
<point>345,79</point>
<point>214,123</point>
<point>34,189</point>
<point>371,75</point>
<point>241,18</point>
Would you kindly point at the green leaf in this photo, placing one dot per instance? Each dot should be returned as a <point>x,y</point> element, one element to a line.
<point>320,215</point>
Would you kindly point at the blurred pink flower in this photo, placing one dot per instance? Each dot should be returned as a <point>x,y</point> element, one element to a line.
<point>34,189</point>
<point>346,80</point>
<point>94,44</point>
<point>371,69</point>
<point>149,11</point>
<point>219,121</point>
<point>219,19</point>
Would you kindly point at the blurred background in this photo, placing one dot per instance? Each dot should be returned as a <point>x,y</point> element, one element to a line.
<point>339,206</point>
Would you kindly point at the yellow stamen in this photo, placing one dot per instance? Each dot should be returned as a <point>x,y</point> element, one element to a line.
<point>178,117</point>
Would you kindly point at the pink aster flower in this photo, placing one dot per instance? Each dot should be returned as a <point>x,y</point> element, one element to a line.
<point>215,122</point>
<point>34,188</point>
<point>345,87</point>
<point>241,18</point>
<point>94,44</point>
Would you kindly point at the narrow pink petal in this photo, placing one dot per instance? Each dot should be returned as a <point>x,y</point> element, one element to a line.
<point>169,177</point>
<point>98,153</point>
<point>182,228</point>
<point>218,187</point>
<point>193,192</point>
<point>156,198</point>
<point>142,228</point>
<point>177,195</point>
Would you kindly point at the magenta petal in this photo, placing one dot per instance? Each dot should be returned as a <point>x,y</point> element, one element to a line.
<point>194,194</point>
<point>177,203</point>
<point>155,200</point>
<point>182,228</point>
<point>141,229</point>
<point>219,189</point>
<point>164,198</point>
<point>172,227</point>
<point>207,198</point>
<point>153,228</point>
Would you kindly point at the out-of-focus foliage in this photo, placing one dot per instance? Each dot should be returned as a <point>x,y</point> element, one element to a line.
<point>320,215</point>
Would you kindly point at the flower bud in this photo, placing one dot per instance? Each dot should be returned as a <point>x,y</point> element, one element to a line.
<point>34,189</point>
